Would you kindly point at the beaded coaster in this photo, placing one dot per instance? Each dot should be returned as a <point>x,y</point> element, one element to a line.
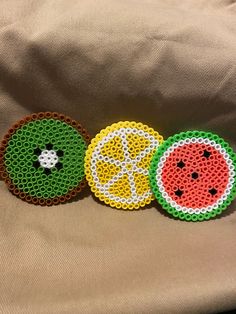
<point>117,162</point>
<point>192,175</point>
<point>42,158</point>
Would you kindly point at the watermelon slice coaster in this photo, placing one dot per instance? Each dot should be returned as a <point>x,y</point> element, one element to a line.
<point>192,175</point>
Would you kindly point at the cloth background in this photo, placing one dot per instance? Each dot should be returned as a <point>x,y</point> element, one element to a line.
<point>169,64</point>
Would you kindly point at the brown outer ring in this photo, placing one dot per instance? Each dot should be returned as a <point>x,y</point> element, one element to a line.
<point>3,172</point>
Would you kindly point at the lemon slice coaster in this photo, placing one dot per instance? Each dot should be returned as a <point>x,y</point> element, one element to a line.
<point>117,163</point>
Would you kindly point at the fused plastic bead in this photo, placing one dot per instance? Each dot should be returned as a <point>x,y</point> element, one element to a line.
<point>192,175</point>
<point>42,158</point>
<point>117,162</point>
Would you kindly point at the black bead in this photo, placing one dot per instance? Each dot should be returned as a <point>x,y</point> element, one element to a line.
<point>49,146</point>
<point>213,191</point>
<point>60,153</point>
<point>58,165</point>
<point>179,192</point>
<point>37,151</point>
<point>206,154</point>
<point>36,164</point>
<point>180,164</point>
<point>47,171</point>
<point>194,175</point>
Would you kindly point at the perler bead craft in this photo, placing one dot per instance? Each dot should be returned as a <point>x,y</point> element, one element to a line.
<point>193,175</point>
<point>117,162</point>
<point>42,158</point>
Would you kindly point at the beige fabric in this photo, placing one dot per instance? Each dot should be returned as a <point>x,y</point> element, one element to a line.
<point>170,64</point>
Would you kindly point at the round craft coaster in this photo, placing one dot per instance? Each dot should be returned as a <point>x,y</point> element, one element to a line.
<point>117,163</point>
<point>42,158</point>
<point>192,175</point>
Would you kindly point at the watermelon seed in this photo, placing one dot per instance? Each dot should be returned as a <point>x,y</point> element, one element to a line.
<point>194,175</point>
<point>206,154</point>
<point>212,191</point>
<point>179,193</point>
<point>180,164</point>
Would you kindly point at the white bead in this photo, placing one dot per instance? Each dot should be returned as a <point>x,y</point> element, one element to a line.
<point>48,158</point>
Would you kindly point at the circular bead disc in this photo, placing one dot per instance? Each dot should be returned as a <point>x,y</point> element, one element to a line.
<point>42,158</point>
<point>117,162</point>
<point>192,175</point>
